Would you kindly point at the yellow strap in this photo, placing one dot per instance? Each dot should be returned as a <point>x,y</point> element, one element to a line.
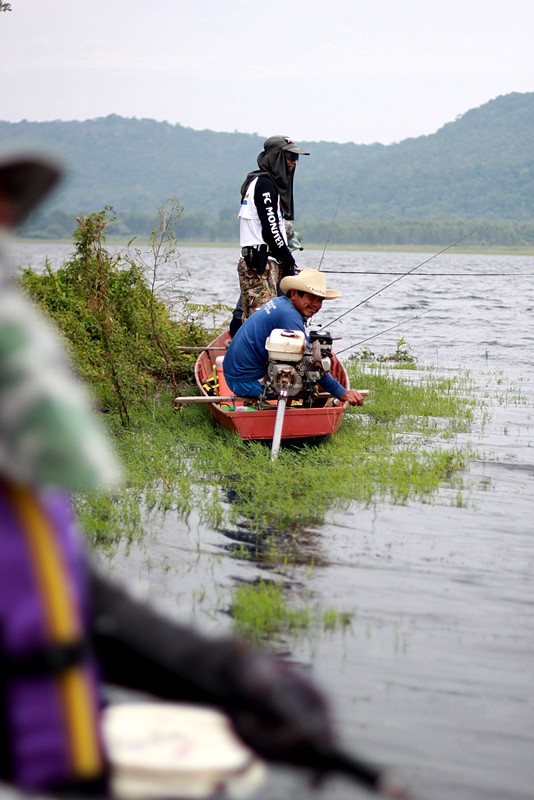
<point>63,627</point>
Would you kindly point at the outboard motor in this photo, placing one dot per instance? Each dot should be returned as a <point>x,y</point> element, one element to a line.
<point>292,368</point>
<point>286,349</point>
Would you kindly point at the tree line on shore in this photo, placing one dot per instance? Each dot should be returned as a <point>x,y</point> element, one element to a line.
<point>200,228</point>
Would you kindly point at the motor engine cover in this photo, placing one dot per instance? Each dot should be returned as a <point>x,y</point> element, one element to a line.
<point>285,345</point>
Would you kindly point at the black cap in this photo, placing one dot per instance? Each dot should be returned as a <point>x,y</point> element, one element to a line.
<point>284,143</point>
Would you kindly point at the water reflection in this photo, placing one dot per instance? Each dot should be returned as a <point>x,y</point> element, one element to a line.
<point>274,549</point>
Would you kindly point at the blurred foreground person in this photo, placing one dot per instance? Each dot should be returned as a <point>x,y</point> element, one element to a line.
<point>65,629</point>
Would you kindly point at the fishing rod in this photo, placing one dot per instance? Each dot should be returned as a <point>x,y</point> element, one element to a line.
<point>400,277</point>
<point>375,335</point>
<point>431,274</point>
<point>330,229</point>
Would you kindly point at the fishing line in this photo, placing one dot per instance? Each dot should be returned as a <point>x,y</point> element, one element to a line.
<point>400,277</point>
<point>432,274</point>
<point>375,335</point>
<point>330,229</point>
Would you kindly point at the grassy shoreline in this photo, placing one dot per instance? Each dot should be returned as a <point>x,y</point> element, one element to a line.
<point>402,444</point>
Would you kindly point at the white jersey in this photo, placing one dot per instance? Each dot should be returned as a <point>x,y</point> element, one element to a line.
<point>250,228</point>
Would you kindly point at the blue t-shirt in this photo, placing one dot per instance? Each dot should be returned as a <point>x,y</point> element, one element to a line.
<point>246,358</point>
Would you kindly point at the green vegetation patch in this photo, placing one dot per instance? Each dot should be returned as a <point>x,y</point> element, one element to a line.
<point>260,611</point>
<point>400,445</point>
<point>123,336</point>
<point>429,403</point>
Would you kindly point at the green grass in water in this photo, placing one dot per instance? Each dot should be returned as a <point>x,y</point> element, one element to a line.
<point>260,612</point>
<point>400,445</point>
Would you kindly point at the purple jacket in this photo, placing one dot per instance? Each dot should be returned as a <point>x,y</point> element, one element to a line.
<point>48,680</point>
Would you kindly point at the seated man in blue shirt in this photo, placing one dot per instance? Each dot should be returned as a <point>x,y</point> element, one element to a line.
<point>245,362</point>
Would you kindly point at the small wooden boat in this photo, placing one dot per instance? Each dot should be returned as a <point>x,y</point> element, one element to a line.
<point>300,424</point>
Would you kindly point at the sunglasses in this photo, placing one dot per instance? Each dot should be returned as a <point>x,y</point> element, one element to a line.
<point>292,156</point>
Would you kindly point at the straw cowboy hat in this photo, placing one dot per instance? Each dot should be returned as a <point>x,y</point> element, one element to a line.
<point>309,280</point>
<point>25,180</point>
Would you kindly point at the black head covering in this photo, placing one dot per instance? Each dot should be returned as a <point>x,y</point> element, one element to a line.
<point>272,162</point>
<point>26,181</point>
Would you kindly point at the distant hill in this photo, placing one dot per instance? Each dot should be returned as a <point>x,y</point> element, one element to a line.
<point>478,167</point>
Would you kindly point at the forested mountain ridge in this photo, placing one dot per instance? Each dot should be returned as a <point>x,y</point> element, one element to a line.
<point>480,166</point>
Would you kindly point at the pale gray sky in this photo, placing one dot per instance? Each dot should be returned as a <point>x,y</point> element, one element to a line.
<point>335,70</point>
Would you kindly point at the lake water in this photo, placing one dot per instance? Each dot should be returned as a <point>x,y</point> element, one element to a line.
<point>435,677</point>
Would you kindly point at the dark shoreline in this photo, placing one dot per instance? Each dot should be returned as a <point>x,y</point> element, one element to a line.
<point>505,250</point>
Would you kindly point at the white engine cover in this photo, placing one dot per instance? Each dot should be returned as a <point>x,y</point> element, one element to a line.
<point>285,345</point>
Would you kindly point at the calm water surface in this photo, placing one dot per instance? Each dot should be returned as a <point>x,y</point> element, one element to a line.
<point>435,677</point>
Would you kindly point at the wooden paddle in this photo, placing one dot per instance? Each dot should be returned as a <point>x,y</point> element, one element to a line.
<point>205,398</point>
<point>196,348</point>
<point>215,398</point>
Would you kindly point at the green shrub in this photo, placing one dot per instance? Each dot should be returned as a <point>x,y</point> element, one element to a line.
<point>123,338</point>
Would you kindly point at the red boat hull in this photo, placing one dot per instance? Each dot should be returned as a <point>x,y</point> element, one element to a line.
<point>300,424</point>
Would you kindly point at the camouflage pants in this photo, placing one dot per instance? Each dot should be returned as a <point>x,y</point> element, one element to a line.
<point>257,289</point>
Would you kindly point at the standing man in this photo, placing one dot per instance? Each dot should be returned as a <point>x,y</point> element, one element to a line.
<point>266,200</point>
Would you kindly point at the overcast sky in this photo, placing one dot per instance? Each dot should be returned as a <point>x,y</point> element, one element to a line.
<point>335,70</point>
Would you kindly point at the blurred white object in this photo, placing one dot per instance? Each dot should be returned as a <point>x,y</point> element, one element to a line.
<point>176,751</point>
